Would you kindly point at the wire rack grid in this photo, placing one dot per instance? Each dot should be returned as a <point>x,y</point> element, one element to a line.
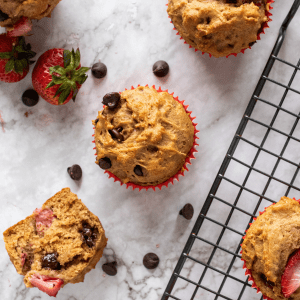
<point>259,167</point>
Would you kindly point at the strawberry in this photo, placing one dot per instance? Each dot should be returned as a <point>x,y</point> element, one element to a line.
<point>43,220</point>
<point>46,284</point>
<point>20,28</point>
<point>15,57</point>
<point>290,280</point>
<point>58,75</point>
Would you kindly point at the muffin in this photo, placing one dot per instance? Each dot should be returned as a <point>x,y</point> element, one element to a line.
<point>268,250</point>
<point>58,244</point>
<point>11,11</point>
<point>143,136</point>
<point>219,27</point>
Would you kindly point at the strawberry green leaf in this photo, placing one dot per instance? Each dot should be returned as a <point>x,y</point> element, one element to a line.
<point>77,59</point>
<point>5,55</point>
<point>67,58</point>
<point>20,65</point>
<point>82,71</point>
<point>51,84</point>
<point>81,79</point>
<point>64,95</point>
<point>9,66</point>
<point>75,92</point>
<point>57,69</point>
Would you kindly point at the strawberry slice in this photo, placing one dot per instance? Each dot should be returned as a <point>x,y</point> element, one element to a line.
<point>290,280</point>
<point>22,27</point>
<point>43,219</point>
<point>46,284</point>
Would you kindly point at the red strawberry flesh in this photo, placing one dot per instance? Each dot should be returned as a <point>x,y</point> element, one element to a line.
<point>21,28</point>
<point>46,284</point>
<point>43,219</point>
<point>290,280</point>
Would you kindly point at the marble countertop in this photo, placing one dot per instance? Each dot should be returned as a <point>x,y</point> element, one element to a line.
<point>38,144</point>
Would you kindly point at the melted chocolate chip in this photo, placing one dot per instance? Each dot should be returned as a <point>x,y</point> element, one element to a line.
<point>110,268</point>
<point>104,163</point>
<point>28,262</point>
<point>111,100</point>
<point>138,170</point>
<point>3,16</point>
<point>151,261</point>
<point>89,234</point>
<point>115,134</point>
<point>187,211</point>
<point>75,172</point>
<point>160,68</point>
<point>96,121</point>
<point>152,148</point>
<point>99,70</point>
<point>50,261</point>
<point>30,97</point>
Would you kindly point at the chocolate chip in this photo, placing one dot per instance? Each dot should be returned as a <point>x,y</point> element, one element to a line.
<point>231,1</point>
<point>3,16</point>
<point>75,172</point>
<point>111,100</point>
<point>160,68</point>
<point>110,268</point>
<point>30,97</point>
<point>89,234</point>
<point>105,163</point>
<point>50,261</point>
<point>267,282</point>
<point>115,134</point>
<point>152,148</point>
<point>151,261</point>
<point>251,44</point>
<point>28,262</point>
<point>96,121</point>
<point>187,211</point>
<point>99,70</point>
<point>138,170</point>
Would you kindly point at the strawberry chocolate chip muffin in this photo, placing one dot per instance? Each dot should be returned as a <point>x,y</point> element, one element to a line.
<point>142,136</point>
<point>13,10</point>
<point>271,251</point>
<point>58,244</point>
<point>219,27</point>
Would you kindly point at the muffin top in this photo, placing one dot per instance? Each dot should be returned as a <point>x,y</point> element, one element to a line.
<point>269,243</point>
<point>146,138</point>
<point>33,9</point>
<point>218,27</point>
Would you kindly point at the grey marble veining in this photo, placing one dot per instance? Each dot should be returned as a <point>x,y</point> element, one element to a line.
<point>38,144</point>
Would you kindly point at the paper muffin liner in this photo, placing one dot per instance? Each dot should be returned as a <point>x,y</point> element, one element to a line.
<point>187,160</point>
<point>248,272</point>
<point>261,31</point>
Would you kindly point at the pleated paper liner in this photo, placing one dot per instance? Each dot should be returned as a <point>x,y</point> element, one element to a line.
<point>262,30</point>
<point>187,160</point>
<point>248,272</point>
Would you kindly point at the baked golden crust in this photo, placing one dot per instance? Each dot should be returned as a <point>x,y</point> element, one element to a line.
<point>268,244</point>
<point>33,9</point>
<point>217,27</point>
<point>158,135</point>
<point>62,237</point>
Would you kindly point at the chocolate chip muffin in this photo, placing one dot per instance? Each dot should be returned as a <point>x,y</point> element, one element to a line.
<point>269,243</point>
<point>219,27</point>
<point>57,244</point>
<point>11,11</point>
<point>142,136</point>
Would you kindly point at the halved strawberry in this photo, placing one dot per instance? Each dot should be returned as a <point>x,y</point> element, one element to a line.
<point>20,28</point>
<point>290,280</point>
<point>43,219</point>
<point>46,284</point>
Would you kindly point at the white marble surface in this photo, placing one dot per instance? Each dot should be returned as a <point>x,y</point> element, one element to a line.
<point>35,150</point>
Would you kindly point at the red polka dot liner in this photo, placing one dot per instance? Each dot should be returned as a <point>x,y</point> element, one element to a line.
<point>187,160</point>
<point>262,30</point>
<point>248,272</point>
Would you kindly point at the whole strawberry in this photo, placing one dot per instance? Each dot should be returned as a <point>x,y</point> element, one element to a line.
<point>58,75</point>
<point>15,56</point>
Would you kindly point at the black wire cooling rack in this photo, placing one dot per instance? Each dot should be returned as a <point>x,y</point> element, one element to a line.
<point>261,165</point>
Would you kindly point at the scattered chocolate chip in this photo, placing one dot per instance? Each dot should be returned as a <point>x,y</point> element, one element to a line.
<point>151,261</point>
<point>99,70</point>
<point>267,282</point>
<point>3,16</point>
<point>187,211</point>
<point>115,134</point>
<point>160,68</point>
<point>89,234</point>
<point>30,97</point>
<point>105,163</point>
<point>75,172</point>
<point>50,261</point>
<point>138,170</point>
<point>110,268</point>
<point>111,100</point>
